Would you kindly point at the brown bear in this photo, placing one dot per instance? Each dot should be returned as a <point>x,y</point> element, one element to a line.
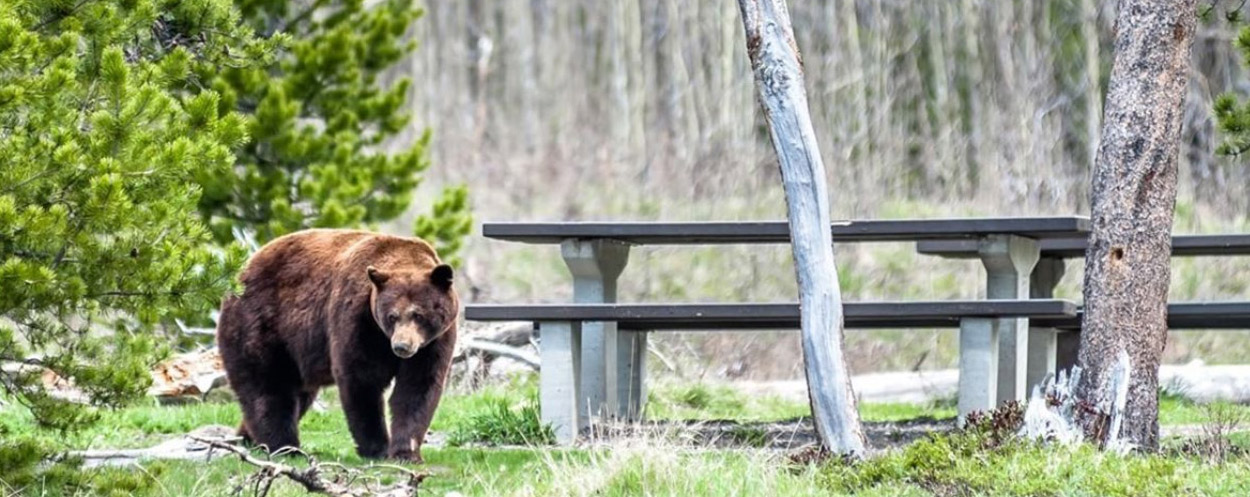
<point>348,308</point>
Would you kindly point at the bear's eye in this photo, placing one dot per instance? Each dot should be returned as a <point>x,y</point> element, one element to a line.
<point>392,318</point>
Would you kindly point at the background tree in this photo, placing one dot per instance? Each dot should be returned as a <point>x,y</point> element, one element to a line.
<point>1128,263</point>
<point>321,120</point>
<point>102,124</point>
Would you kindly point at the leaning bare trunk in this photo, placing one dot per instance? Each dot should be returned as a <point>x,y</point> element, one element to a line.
<point>1127,265</point>
<point>779,79</point>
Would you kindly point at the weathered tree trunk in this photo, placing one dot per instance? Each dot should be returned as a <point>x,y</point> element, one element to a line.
<point>779,80</point>
<point>1128,263</point>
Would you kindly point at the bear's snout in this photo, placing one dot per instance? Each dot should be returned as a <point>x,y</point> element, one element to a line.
<point>406,339</point>
<point>404,349</point>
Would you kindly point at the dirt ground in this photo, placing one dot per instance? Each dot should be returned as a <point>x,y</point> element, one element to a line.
<point>786,435</point>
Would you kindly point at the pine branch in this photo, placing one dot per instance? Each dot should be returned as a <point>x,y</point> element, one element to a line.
<point>55,19</point>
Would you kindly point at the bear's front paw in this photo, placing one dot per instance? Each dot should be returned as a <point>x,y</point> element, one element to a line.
<point>405,455</point>
<point>371,452</point>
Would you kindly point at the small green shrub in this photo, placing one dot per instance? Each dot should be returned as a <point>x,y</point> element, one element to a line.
<point>750,436</point>
<point>503,423</point>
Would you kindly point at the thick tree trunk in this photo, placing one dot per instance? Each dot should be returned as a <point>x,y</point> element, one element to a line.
<point>779,80</point>
<point>1127,265</point>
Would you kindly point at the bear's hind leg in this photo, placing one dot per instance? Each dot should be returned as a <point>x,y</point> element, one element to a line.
<point>270,416</point>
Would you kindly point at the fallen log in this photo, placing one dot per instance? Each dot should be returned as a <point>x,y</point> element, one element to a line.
<point>193,373</point>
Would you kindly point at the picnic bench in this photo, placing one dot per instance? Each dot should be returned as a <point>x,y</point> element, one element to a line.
<point>563,330</point>
<point>611,360</point>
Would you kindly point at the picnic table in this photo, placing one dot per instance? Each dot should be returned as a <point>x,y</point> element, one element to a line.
<point>611,362</point>
<point>1054,252</point>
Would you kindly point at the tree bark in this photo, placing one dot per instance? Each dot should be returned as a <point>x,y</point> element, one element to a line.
<point>778,72</point>
<point>1128,263</point>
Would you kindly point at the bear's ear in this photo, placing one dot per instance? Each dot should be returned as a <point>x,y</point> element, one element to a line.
<point>441,276</point>
<point>377,276</point>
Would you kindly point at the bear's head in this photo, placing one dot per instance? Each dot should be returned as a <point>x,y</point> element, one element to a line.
<point>413,307</point>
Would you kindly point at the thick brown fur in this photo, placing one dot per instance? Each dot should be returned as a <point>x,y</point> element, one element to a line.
<point>341,307</point>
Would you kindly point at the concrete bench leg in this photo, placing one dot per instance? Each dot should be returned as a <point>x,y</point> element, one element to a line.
<point>978,365</point>
<point>595,266</point>
<point>1067,348</point>
<point>631,364</point>
<point>1042,350</point>
<point>1008,261</point>
<point>559,382</point>
<point>1043,342</point>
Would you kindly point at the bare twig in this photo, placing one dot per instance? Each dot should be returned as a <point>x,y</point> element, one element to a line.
<point>322,478</point>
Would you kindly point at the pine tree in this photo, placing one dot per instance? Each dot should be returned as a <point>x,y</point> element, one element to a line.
<point>320,120</point>
<point>103,123</point>
<point>1232,116</point>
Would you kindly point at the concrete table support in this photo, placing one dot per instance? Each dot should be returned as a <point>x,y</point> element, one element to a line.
<point>1008,261</point>
<point>595,265</point>
<point>1044,342</point>
<point>560,399</point>
<point>978,365</point>
<point>631,369</point>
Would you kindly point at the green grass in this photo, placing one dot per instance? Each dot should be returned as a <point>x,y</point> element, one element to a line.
<point>957,465</point>
<point>701,401</point>
<point>1176,410</point>
<point>496,416</point>
<point>943,467</point>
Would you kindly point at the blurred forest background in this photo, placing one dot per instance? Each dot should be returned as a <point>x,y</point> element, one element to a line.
<point>644,110</point>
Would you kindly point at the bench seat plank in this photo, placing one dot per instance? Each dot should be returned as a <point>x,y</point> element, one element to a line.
<point>1051,313</point>
<point>678,317</point>
<point>1073,248</point>
<point>723,232</point>
<point>1181,316</point>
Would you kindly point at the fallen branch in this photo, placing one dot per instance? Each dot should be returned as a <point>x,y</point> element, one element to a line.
<point>194,330</point>
<point>500,340</point>
<point>322,478</point>
<point>187,448</point>
<point>516,334</point>
<point>668,363</point>
<point>476,346</point>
